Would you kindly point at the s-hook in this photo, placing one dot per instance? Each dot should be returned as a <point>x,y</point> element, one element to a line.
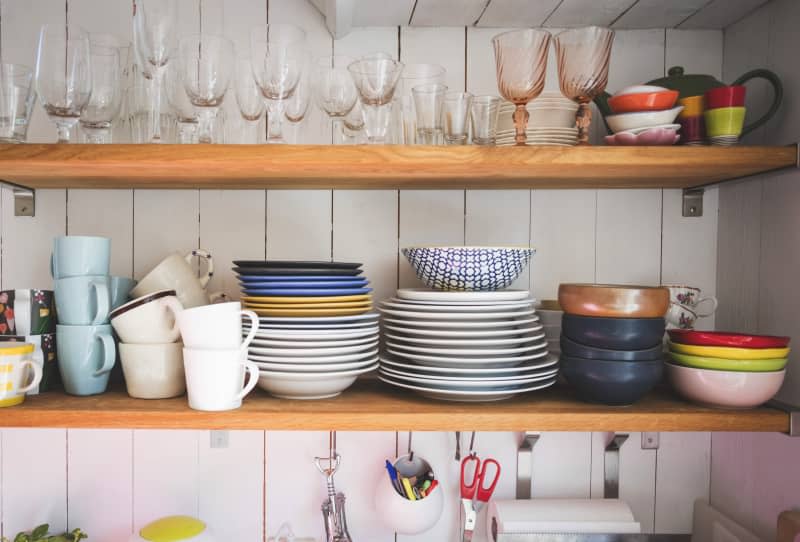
<point>410,451</point>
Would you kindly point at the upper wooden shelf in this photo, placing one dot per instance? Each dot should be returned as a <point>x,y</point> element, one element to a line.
<point>378,166</point>
<point>372,406</point>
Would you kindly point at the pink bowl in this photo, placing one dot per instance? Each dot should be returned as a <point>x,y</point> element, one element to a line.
<point>725,389</point>
<point>650,137</point>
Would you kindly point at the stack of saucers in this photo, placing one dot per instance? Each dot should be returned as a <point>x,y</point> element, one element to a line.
<point>465,346</point>
<point>551,122</point>
<point>316,332</point>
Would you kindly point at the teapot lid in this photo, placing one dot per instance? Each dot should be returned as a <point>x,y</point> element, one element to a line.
<point>172,529</point>
<point>687,84</point>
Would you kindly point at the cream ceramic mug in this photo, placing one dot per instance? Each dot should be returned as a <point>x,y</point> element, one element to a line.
<point>689,296</point>
<point>175,273</point>
<point>150,319</point>
<point>216,327</point>
<point>680,316</point>
<point>153,371</point>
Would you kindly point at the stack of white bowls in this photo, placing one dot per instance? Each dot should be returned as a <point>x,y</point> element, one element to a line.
<point>465,346</point>
<point>551,122</point>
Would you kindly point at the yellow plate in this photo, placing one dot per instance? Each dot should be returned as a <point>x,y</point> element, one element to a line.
<point>306,300</point>
<point>310,312</point>
<point>278,306</point>
<point>729,352</point>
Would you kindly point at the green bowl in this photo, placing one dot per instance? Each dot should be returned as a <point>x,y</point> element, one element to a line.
<point>721,364</point>
<point>724,121</point>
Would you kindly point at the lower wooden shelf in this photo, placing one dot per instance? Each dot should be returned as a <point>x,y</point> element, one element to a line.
<point>372,406</point>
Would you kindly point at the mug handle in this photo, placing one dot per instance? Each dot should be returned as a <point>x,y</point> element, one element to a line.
<point>218,297</point>
<point>251,368</point>
<point>103,302</point>
<point>37,376</point>
<point>176,308</point>
<point>203,255</point>
<point>714,304</point>
<point>253,328</point>
<point>110,353</point>
<point>777,89</point>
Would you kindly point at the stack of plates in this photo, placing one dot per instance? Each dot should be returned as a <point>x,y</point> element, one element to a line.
<point>313,357</point>
<point>561,137</point>
<point>297,288</point>
<point>465,346</point>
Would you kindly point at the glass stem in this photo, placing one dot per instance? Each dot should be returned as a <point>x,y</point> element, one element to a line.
<point>205,127</point>
<point>158,79</point>
<point>99,136</point>
<point>521,123</point>
<point>63,131</point>
<point>337,125</point>
<point>582,121</point>
<point>275,121</point>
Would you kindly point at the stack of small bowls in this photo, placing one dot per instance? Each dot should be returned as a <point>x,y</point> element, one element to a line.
<point>643,115</point>
<point>692,121</point>
<point>611,337</point>
<point>724,114</point>
<point>551,122</point>
<point>727,370</point>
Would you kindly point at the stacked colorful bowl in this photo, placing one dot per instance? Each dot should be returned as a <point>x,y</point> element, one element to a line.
<point>728,370</point>
<point>611,340</point>
<point>724,114</point>
<point>317,332</point>
<point>692,121</point>
<point>643,115</point>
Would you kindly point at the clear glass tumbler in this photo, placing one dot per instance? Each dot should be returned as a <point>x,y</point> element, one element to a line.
<point>16,102</point>
<point>456,117</point>
<point>429,108</point>
<point>483,116</point>
<point>141,114</point>
<point>414,75</point>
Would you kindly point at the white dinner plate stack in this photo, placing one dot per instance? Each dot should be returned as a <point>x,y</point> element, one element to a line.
<point>314,357</point>
<point>465,346</point>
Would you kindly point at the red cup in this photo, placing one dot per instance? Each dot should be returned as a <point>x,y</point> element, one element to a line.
<point>732,96</point>
<point>693,129</point>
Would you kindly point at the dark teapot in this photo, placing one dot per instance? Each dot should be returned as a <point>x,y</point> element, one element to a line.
<point>697,84</point>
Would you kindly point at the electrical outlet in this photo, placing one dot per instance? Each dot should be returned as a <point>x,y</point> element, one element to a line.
<point>650,441</point>
<point>219,439</point>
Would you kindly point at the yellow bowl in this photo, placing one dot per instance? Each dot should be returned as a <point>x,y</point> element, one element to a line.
<point>724,121</point>
<point>693,106</point>
<point>729,352</point>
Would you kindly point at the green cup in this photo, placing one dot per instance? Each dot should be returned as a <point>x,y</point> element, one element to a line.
<point>724,121</point>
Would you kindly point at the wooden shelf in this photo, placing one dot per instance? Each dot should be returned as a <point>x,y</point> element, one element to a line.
<point>372,406</point>
<point>387,167</point>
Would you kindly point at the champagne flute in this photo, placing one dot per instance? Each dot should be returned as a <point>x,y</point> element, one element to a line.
<point>63,75</point>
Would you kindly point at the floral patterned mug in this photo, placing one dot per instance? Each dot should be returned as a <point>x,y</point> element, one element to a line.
<point>27,312</point>
<point>689,296</point>
<point>681,316</point>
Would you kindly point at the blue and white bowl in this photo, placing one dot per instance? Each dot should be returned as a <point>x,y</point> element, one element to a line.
<point>468,268</point>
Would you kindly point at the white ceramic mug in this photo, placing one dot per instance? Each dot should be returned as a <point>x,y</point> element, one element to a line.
<point>689,296</point>
<point>681,316</point>
<point>216,327</point>
<point>215,378</point>
<point>150,319</point>
<point>153,371</point>
<point>175,273</point>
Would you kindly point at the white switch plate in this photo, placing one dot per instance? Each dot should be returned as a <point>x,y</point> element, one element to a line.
<point>219,439</point>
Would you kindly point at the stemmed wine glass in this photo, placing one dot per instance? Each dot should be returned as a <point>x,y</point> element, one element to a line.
<point>376,79</point>
<point>249,99</point>
<point>521,61</point>
<point>277,56</point>
<point>334,91</point>
<point>63,75</point>
<point>106,100</point>
<point>206,64</point>
<point>178,100</point>
<point>296,106</point>
<point>583,56</point>
<point>154,36</point>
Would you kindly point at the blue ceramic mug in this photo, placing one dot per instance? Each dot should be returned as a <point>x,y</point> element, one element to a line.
<point>86,355</point>
<point>78,255</point>
<point>120,290</point>
<point>83,301</point>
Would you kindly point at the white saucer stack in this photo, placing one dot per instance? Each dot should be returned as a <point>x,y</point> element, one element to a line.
<point>465,346</point>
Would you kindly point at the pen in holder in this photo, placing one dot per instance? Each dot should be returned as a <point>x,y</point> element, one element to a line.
<point>408,497</point>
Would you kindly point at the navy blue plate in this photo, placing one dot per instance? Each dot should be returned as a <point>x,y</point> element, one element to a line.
<point>267,271</point>
<point>294,264</point>
<point>298,278</point>
<point>323,285</point>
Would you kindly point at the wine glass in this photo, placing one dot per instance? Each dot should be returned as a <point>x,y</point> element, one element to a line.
<point>178,100</point>
<point>376,79</point>
<point>106,100</point>
<point>353,126</point>
<point>63,75</point>
<point>521,62</point>
<point>583,56</point>
<point>249,99</point>
<point>206,63</point>
<point>278,56</point>
<point>154,38</point>
<point>334,91</point>
<point>296,106</point>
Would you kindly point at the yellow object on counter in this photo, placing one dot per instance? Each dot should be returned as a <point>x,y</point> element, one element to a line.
<point>729,352</point>
<point>172,529</point>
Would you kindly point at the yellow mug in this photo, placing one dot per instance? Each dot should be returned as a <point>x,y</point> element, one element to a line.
<point>15,359</point>
<point>724,121</point>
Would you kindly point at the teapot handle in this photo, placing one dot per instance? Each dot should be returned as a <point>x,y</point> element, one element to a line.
<point>777,89</point>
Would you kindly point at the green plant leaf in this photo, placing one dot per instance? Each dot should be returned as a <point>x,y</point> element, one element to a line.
<point>22,537</point>
<point>40,531</point>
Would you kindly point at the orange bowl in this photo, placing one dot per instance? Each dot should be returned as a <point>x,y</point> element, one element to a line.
<point>647,101</point>
<point>614,300</point>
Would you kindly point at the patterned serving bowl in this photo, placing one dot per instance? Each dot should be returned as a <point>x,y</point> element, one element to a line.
<point>468,268</point>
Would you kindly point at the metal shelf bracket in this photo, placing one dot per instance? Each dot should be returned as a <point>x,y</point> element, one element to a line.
<point>794,416</point>
<point>611,460</point>
<point>24,199</point>
<point>525,464</point>
<point>693,202</point>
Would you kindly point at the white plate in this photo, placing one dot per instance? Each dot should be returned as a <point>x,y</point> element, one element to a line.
<point>533,366</point>
<point>468,383</point>
<point>314,335</point>
<point>400,305</point>
<point>308,386</point>
<point>316,359</point>
<point>314,367</point>
<point>319,320</point>
<point>308,352</point>
<point>445,316</point>
<point>457,303</point>
<point>461,362</point>
<point>508,325</point>
<point>467,395</point>
<point>469,334</point>
<point>470,343</point>
<point>354,326</point>
<point>269,343</point>
<point>475,351</point>
<point>423,294</point>
<point>488,379</point>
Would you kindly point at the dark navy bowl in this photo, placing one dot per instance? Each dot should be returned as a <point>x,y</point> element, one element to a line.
<point>613,333</point>
<point>611,382</point>
<point>577,350</point>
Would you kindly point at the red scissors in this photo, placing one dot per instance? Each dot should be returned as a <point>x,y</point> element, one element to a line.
<point>477,485</point>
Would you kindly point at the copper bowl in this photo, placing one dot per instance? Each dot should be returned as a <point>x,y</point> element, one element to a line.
<point>614,300</point>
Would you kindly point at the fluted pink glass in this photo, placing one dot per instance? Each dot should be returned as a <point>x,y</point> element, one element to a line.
<point>583,56</point>
<point>521,60</point>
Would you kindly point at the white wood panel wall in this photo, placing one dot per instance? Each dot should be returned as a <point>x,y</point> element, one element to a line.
<point>262,479</point>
